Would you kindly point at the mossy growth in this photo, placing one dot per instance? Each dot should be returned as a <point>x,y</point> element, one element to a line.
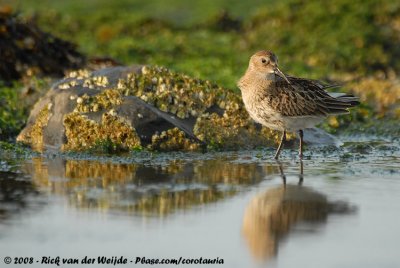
<point>85,134</point>
<point>34,134</point>
<point>173,140</point>
<point>107,146</point>
<point>14,108</point>
<point>13,148</point>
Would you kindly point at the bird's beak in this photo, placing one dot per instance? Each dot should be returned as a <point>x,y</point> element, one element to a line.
<point>280,74</point>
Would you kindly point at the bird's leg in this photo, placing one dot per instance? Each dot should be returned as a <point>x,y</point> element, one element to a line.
<point>282,173</point>
<point>301,143</point>
<point>283,139</point>
<point>301,176</point>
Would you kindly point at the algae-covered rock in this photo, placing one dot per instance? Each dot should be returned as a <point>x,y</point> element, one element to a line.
<point>141,106</point>
<point>173,140</point>
<point>83,133</point>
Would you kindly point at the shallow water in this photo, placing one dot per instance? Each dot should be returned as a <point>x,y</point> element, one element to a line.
<point>342,210</point>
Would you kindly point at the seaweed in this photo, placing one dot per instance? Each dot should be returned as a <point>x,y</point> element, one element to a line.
<point>26,50</point>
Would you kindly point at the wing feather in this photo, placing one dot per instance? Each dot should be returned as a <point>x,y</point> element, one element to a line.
<point>304,97</point>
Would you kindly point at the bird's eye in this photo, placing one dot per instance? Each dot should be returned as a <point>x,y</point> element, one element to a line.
<point>263,60</point>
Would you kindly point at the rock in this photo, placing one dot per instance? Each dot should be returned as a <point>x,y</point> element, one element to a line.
<point>318,137</point>
<point>141,106</point>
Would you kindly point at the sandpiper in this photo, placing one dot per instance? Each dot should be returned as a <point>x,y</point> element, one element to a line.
<point>287,103</point>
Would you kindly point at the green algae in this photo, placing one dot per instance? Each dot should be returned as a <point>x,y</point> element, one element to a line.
<point>375,127</point>
<point>12,114</point>
<point>15,149</point>
<point>15,104</point>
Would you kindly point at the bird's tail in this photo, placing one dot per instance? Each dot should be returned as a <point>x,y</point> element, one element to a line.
<point>341,102</point>
<point>349,98</point>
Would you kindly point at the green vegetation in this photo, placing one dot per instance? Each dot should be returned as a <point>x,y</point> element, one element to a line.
<point>312,38</point>
<point>16,149</point>
<point>106,146</point>
<point>12,117</point>
<point>339,41</point>
<point>15,103</point>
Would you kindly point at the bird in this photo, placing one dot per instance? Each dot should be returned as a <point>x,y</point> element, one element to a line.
<point>288,103</point>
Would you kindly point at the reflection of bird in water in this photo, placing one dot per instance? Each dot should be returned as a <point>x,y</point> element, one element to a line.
<point>270,215</point>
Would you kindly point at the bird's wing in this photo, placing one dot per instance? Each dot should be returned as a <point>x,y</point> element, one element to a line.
<point>304,97</point>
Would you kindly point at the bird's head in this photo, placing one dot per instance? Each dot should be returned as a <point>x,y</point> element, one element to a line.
<point>265,63</point>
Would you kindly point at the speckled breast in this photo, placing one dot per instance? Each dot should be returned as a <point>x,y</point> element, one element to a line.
<point>261,112</point>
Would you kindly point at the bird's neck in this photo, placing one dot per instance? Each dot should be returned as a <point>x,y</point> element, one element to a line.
<point>253,82</point>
